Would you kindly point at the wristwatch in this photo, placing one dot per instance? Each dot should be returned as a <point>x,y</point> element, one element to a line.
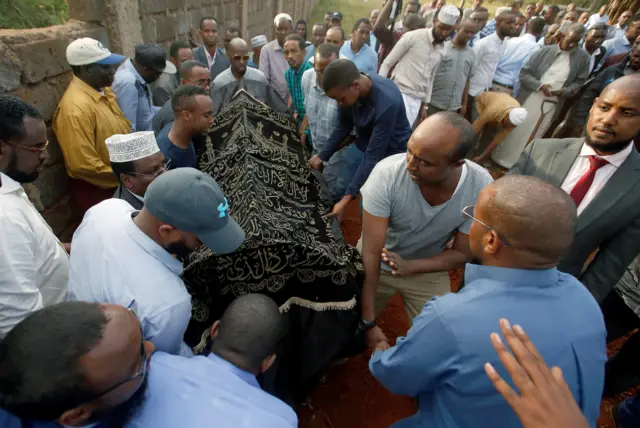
<point>365,325</point>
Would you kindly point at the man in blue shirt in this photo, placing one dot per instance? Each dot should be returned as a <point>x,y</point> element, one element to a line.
<point>131,84</point>
<point>521,228</point>
<point>622,44</point>
<point>73,364</point>
<point>374,106</point>
<point>193,116</point>
<point>221,389</point>
<point>357,49</point>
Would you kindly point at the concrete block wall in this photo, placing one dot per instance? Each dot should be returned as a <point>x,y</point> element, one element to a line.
<point>33,63</point>
<point>33,67</point>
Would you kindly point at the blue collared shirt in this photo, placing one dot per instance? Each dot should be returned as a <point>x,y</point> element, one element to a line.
<point>311,51</point>
<point>207,391</point>
<point>516,53</point>
<point>441,359</point>
<point>115,262</point>
<point>617,46</point>
<point>134,97</point>
<point>366,59</point>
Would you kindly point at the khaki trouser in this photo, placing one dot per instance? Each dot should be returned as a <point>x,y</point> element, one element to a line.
<point>415,290</point>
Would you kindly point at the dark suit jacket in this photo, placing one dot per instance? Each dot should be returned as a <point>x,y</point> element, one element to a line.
<point>593,90</point>
<point>125,195</point>
<point>611,222</point>
<point>221,64</point>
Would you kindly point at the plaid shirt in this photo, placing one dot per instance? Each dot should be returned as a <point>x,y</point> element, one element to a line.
<point>294,83</point>
<point>488,29</point>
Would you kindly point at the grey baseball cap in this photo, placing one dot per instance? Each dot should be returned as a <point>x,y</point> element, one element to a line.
<point>192,201</point>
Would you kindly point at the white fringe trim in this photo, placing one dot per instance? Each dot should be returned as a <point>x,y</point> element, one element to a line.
<point>316,306</point>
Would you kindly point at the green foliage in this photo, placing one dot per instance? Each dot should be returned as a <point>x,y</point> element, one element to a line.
<point>32,13</point>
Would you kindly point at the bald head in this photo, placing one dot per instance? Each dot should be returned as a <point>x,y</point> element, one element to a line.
<point>535,218</point>
<point>238,45</point>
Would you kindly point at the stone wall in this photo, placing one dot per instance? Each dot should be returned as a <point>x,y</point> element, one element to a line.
<point>33,67</point>
<point>33,63</point>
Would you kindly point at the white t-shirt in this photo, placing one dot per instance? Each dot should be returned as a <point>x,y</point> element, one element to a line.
<point>417,230</point>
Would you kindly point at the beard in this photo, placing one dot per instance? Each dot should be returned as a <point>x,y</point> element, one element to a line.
<point>17,175</point>
<point>118,416</point>
<point>610,147</point>
<point>179,249</point>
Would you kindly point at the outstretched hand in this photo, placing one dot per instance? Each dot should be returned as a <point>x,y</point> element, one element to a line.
<point>545,400</point>
<point>398,265</point>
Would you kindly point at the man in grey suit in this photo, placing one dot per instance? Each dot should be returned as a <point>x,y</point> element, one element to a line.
<point>209,53</point>
<point>601,172</point>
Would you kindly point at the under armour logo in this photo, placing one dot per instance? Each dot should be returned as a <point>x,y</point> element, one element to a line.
<point>222,208</point>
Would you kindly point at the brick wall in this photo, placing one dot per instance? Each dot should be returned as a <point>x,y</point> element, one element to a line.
<point>33,63</point>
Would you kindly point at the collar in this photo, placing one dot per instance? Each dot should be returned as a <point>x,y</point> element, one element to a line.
<point>237,371</point>
<point>514,277</point>
<point>129,66</point>
<point>277,45</point>
<point>150,246</point>
<point>80,85</point>
<point>615,159</point>
<point>8,185</point>
<point>596,52</point>
<point>141,199</point>
<point>207,54</point>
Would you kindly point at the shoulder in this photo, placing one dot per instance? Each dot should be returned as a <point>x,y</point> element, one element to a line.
<point>390,166</point>
<point>546,146</point>
<point>479,174</point>
<point>388,88</point>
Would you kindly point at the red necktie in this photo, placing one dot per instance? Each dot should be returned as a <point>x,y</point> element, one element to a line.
<point>582,186</point>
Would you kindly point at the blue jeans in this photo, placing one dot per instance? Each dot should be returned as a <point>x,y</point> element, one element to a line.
<point>629,412</point>
<point>350,159</point>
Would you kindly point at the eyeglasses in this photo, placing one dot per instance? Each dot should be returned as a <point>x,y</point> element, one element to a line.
<point>468,211</point>
<point>241,57</point>
<point>164,168</point>
<point>142,373</point>
<point>33,149</point>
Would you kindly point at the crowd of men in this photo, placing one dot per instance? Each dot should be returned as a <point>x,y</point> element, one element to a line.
<point>408,117</point>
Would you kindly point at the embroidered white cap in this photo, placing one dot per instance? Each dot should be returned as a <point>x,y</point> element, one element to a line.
<point>131,147</point>
<point>449,14</point>
<point>517,116</point>
<point>87,51</point>
<point>258,41</point>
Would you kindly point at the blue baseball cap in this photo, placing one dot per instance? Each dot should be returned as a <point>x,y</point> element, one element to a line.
<point>192,201</point>
<point>87,51</point>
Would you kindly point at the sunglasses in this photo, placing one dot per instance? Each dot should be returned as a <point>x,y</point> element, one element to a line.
<point>241,57</point>
<point>468,211</point>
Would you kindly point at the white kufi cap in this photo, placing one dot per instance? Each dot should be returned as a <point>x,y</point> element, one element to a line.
<point>131,147</point>
<point>517,116</point>
<point>449,14</point>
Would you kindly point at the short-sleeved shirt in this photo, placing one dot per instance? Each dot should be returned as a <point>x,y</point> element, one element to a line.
<point>294,83</point>
<point>179,157</point>
<point>416,229</point>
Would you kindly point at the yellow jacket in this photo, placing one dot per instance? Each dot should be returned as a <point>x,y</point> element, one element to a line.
<point>84,119</point>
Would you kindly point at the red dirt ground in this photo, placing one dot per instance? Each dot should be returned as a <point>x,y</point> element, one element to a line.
<point>349,397</point>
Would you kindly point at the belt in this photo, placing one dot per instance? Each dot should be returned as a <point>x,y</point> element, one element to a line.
<point>504,86</point>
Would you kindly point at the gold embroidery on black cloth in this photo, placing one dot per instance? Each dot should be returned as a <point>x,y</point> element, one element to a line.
<point>290,252</point>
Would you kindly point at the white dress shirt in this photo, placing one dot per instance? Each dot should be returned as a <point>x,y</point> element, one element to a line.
<point>581,166</point>
<point>34,266</point>
<point>488,52</point>
<point>113,261</point>
<point>210,59</point>
<point>592,60</point>
<point>597,19</point>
